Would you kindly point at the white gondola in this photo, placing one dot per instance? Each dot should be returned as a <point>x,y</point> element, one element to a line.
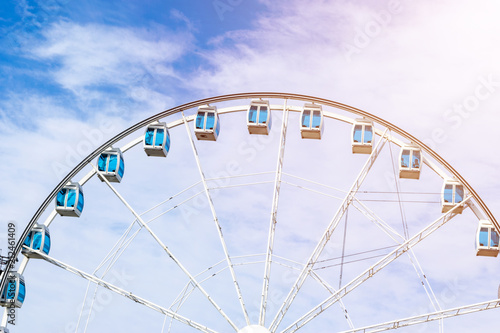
<point>487,239</point>
<point>156,140</point>
<point>14,291</point>
<point>452,194</point>
<point>111,165</point>
<point>38,241</point>
<point>259,117</point>
<point>362,136</point>
<point>311,121</point>
<point>207,124</point>
<point>410,162</point>
<point>70,200</point>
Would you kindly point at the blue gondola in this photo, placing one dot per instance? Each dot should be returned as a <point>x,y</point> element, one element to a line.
<point>362,136</point>
<point>259,117</point>
<point>487,240</point>
<point>38,240</point>
<point>69,200</point>
<point>14,291</point>
<point>157,140</point>
<point>410,162</point>
<point>311,121</point>
<point>207,124</point>
<point>111,165</point>
<point>452,194</point>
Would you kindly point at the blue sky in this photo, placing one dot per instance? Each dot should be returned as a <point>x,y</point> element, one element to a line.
<point>75,73</point>
<point>29,25</point>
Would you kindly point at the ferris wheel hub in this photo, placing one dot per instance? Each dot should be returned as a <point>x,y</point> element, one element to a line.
<point>254,329</point>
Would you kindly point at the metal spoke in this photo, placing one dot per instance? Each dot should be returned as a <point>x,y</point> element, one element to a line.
<point>124,293</point>
<point>411,255</point>
<point>167,250</point>
<point>331,290</point>
<point>368,213</point>
<point>494,304</point>
<point>121,245</point>
<point>274,214</point>
<point>328,233</point>
<point>217,224</point>
<point>370,272</point>
<point>293,265</point>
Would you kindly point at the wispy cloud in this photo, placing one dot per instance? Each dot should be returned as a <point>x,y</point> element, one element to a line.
<point>412,68</point>
<point>297,43</point>
<point>94,55</point>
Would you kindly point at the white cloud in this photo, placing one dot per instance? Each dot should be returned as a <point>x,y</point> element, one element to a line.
<point>411,70</point>
<point>106,55</point>
<point>116,70</point>
<point>43,127</point>
<point>300,47</point>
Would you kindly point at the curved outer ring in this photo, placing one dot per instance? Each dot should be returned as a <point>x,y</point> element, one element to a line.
<point>223,98</point>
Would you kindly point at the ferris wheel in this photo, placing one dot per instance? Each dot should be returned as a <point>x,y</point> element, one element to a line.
<point>258,213</point>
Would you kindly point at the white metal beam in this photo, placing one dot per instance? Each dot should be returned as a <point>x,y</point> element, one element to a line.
<point>273,218</point>
<point>124,293</point>
<point>167,250</point>
<point>411,255</point>
<point>391,325</point>
<point>371,271</point>
<point>331,290</point>
<point>217,224</point>
<point>327,234</point>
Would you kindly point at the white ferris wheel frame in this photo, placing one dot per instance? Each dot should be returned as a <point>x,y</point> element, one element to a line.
<point>442,168</point>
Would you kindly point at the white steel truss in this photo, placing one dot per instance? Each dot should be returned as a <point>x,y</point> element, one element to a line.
<point>328,233</point>
<point>167,250</point>
<point>395,236</point>
<point>411,255</point>
<point>331,290</point>
<point>274,214</point>
<point>371,271</point>
<point>391,325</point>
<point>124,293</point>
<point>217,224</point>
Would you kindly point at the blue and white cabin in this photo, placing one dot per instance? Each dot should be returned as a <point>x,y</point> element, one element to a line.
<point>311,121</point>
<point>410,162</point>
<point>111,165</point>
<point>259,117</point>
<point>487,239</point>
<point>362,136</point>
<point>38,240</point>
<point>14,291</point>
<point>157,140</point>
<point>69,200</point>
<point>4,330</point>
<point>207,125</point>
<point>453,194</point>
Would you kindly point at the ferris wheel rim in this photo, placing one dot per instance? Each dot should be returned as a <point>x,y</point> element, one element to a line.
<point>231,97</point>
